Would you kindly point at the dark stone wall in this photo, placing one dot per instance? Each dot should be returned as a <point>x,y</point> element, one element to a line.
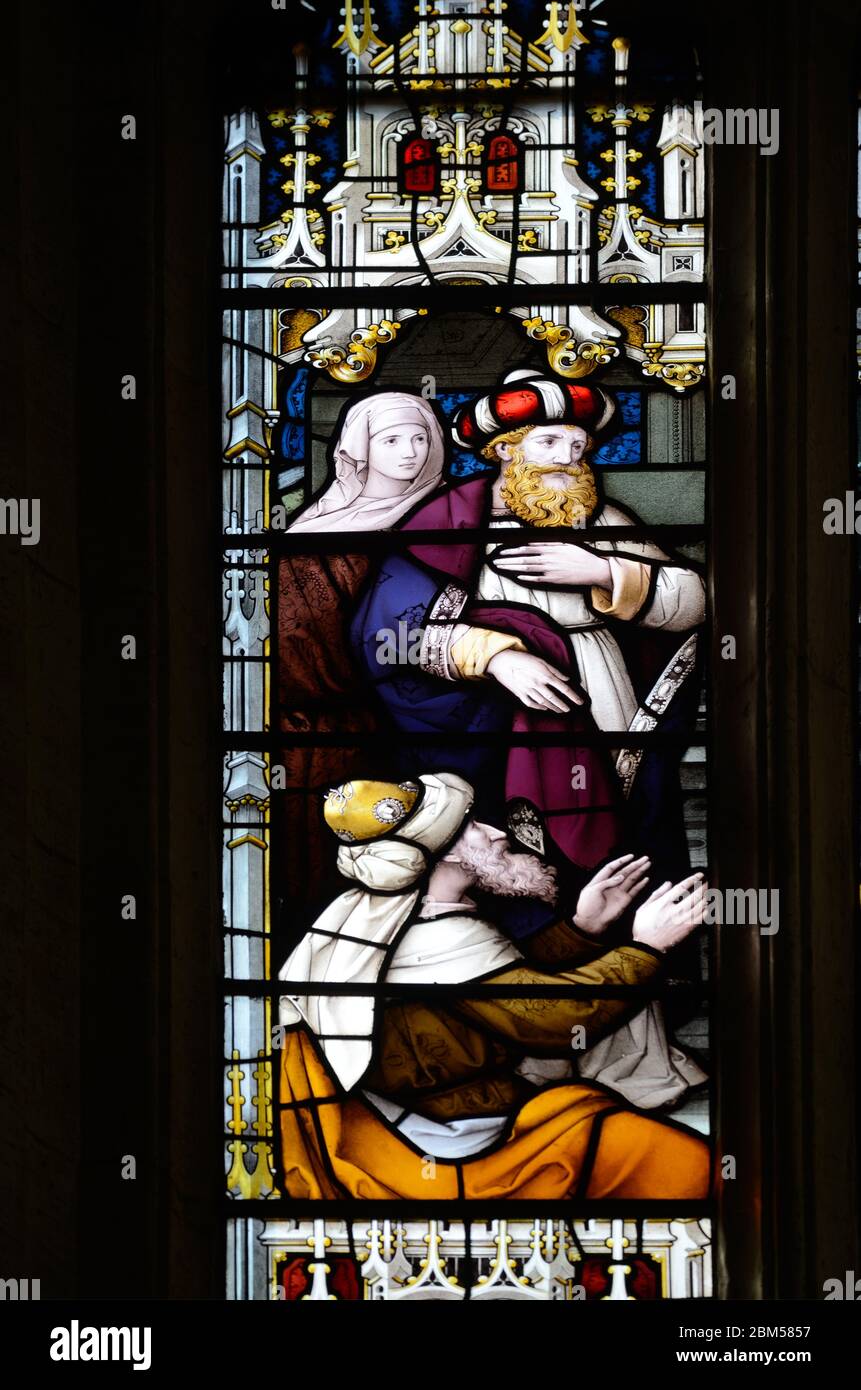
<point>111,767</point>
<point>784,729</point>
<point>40,651</point>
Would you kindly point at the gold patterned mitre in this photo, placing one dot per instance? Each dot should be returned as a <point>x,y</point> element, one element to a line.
<point>366,810</point>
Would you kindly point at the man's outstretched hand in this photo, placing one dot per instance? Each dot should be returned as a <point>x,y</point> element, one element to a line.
<point>612,890</point>
<point>534,682</point>
<point>672,912</point>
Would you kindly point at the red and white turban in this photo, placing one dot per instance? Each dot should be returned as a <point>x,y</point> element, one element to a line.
<point>525,398</point>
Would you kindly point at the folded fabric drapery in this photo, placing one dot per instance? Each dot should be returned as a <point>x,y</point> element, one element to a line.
<point>567,1140</point>
<point>350,943</point>
<point>639,1062</point>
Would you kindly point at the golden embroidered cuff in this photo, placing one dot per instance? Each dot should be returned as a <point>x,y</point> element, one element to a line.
<point>470,654</point>
<point>630,589</point>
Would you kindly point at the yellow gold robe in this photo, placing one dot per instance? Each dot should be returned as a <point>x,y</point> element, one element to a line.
<point>458,1059</point>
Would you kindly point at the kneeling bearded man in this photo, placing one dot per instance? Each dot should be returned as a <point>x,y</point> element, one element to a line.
<point>372,1086</point>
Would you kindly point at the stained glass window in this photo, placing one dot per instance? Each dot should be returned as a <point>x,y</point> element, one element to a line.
<point>465,452</point>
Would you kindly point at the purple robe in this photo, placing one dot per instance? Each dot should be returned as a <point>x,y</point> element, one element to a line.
<point>584,822</point>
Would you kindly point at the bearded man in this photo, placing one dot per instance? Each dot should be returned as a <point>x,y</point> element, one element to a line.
<point>527,637</point>
<point>479,1081</point>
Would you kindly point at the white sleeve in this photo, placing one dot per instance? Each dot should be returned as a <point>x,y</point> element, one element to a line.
<point>678,595</point>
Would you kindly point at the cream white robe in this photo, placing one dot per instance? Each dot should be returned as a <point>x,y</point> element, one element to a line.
<point>678,604</point>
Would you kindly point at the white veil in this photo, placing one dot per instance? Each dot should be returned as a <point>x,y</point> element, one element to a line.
<point>342,505</point>
<point>348,943</point>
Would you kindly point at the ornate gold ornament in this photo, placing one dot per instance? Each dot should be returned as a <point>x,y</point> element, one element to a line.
<point>564,354</point>
<point>639,112</point>
<point>450,186</point>
<point>679,375</point>
<point>605,223</point>
<point>283,115</point>
<point>554,34</point>
<point>358,39</point>
<point>260,1182</point>
<point>356,361</point>
<point>632,319</point>
<point>474,148</point>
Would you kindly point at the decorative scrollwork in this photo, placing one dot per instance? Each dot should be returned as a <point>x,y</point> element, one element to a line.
<point>564,354</point>
<point>357,360</point>
<point>679,375</point>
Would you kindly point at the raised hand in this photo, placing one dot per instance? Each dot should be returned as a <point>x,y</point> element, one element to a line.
<point>554,562</point>
<point>533,681</point>
<point>612,890</point>
<point>672,912</point>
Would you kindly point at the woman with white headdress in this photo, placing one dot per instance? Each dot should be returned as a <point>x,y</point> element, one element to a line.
<point>388,456</point>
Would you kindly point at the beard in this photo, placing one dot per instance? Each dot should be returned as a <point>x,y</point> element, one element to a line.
<point>509,875</point>
<point>529,498</point>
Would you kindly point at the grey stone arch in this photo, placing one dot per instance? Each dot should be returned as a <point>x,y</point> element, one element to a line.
<point>478,351</point>
<point>397,129</point>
